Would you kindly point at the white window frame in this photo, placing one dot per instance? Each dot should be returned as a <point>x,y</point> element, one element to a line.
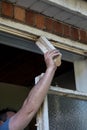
<point>42,121</point>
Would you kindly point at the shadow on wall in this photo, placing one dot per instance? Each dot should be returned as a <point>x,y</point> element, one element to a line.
<point>12,95</point>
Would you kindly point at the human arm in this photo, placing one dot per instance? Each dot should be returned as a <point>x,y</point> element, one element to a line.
<point>35,98</point>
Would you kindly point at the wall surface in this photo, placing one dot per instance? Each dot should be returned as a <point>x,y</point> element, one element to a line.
<point>12,96</point>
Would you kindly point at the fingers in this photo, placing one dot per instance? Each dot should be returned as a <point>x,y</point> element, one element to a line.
<point>52,53</point>
<point>53,57</point>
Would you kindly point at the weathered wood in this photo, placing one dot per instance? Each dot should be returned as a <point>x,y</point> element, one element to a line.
<point>67,93</point>
<point>45,46</point>
<point>42,119</point>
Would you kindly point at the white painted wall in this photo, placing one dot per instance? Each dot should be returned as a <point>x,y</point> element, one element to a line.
<point>80,68</point>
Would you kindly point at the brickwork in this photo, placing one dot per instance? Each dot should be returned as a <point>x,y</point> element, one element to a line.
<point>58,28</point>
<point>75,33</point>
<point>83,36</point>
<point>66,30</point>
<point>19,13</point>
<point>30,18</point>
<point>42,22</point>
<point>7,9</point>
<point>0,8</point>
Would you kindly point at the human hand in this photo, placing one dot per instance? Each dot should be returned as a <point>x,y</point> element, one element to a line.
<point>52,58</point>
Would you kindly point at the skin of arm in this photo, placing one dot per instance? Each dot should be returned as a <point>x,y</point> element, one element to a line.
<point>35,97</point>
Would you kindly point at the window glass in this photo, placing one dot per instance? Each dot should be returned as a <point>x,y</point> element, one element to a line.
<point>67,113</point>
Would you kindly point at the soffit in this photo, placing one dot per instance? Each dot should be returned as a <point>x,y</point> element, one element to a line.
<point>72,12</point>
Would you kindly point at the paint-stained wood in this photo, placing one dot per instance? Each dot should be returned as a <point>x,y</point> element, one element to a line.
<point>45,45</point>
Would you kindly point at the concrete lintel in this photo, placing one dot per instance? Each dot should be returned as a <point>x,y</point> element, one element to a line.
<point>78,6</point>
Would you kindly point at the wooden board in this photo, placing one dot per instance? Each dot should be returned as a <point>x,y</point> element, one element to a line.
<point>45,45</point>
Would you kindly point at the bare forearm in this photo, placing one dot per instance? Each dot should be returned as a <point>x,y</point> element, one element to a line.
<point>38,92</point>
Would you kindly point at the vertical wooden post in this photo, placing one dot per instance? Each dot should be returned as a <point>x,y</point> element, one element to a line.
<point>80,68</point>
<point>42,120</point>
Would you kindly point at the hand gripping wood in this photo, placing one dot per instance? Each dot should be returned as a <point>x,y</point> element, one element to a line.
<point>45,46</point>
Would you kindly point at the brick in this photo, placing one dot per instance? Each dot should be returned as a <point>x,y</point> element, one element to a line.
<point>30,15</point>
<point>74,33</point>
<point>57,28</point>
<point>7,9</point>
<point>66,30</point>
<point>0,8</point>
<point>19,13</point>
<point>83,36</point>
<point>40,21</point>
<point>49,24</point>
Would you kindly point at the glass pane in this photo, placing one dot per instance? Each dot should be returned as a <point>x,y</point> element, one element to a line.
<point>67,113</point>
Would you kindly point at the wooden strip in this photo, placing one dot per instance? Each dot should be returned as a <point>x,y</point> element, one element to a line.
<point>67,93</point>
<point>45,46</point>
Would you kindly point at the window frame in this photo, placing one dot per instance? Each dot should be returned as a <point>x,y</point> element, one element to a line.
<point>42,114</point>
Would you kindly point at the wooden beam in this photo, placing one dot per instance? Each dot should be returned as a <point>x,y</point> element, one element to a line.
<point>45,45</point>
<point>67,93</point>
